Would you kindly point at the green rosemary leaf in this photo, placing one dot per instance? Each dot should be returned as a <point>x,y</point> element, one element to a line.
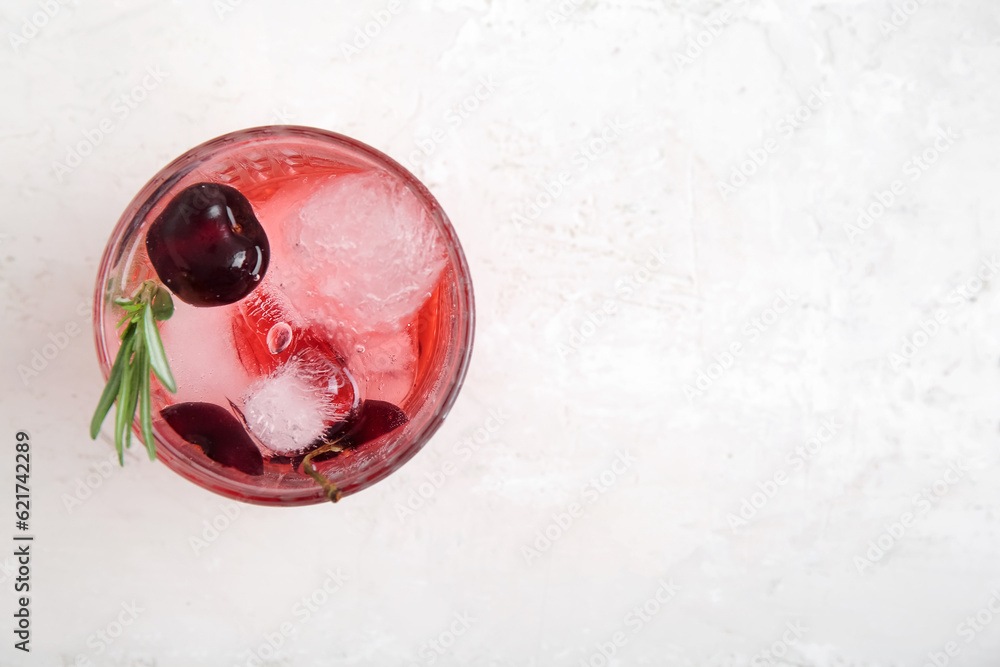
<point>162,305</point>
<point>135,375</point>
<point>109,394</point>
<point>146,408</point>
<point>123,397</point>
<point>157,355</point>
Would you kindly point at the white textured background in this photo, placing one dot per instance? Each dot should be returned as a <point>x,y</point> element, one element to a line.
<point>861,541</point>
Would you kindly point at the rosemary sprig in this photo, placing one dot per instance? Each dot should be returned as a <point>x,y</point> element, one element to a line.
<point>141,353</point>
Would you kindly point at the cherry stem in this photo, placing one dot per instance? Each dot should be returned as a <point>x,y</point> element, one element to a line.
<point>329,488</point>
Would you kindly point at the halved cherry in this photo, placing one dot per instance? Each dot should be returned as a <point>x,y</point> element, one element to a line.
<point>373,420</point>
<point>207,245</point>
<point>218,433</point>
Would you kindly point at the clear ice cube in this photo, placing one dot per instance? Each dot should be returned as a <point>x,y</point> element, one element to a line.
<point>364,252</point>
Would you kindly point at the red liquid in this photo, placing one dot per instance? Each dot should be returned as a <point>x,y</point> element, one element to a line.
<point>367,298</point>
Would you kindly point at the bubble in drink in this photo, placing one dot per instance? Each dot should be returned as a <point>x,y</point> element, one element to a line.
<point>279,338</point>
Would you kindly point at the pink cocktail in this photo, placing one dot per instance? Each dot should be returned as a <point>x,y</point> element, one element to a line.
<point>348,352</point>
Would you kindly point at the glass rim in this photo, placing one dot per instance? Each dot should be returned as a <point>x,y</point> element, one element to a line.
<point>464,326</point>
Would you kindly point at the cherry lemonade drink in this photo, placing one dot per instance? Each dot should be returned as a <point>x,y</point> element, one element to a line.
<point>286,313</point>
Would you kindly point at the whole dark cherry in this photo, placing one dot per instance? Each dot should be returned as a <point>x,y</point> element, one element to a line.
<point>207,246</point>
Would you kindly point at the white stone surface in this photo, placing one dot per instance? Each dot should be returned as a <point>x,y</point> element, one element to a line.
<point>572,396</point>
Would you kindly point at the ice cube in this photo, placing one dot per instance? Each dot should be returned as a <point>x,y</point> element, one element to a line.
<point>389,361</point>
<point>199,344</point>
<point>290,409</point>
<point>266,330</point>
<point>363,250</point>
